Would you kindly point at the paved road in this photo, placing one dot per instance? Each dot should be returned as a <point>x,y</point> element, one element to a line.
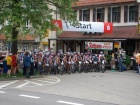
<point>110,87</point>
<point>16,97</point>
<point>48,80</point>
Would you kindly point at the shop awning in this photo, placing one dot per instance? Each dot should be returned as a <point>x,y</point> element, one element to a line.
<point>119,33</point>
<point>66,39</point>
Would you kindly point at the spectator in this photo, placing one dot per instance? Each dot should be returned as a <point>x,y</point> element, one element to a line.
<point>9,62</point>
<point>1,64</point>
<point>120,59</point>
<point>32,64</point>
<point>135,61</point>
<point>27,64</point>
<point>40,65</point>
<point>14,64</point>
<point>138,61</point>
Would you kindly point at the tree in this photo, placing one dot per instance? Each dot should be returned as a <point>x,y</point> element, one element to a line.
<point>15,13</point>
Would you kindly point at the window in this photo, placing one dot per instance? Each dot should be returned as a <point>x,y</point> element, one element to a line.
<point>24,47</point>
<point>35,47</point>
<point>100,15</point>
<point>132,13</point>
<point>75,11</point>
<point>114,14</point>
<point>84,15</point>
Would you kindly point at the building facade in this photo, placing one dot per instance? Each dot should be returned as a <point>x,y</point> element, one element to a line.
<point>32,43</point>
<point>122,13</point>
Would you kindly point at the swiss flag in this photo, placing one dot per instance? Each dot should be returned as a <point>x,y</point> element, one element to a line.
<point>108,28</point>
<point>57,23</point>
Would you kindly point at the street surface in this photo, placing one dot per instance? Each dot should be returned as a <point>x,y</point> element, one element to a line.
<point>109,88</point>
<point>17,97</point>
<point>49,80</point>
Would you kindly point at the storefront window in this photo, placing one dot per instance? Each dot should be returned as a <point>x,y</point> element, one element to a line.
<point>129,47</point>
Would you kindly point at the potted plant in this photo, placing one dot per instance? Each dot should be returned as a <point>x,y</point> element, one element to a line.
<point>127,61</point>
<point>108,58</point>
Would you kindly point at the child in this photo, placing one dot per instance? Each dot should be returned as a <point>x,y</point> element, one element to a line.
<point>9,62</point>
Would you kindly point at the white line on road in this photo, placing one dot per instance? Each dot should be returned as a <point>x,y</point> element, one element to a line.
<point>70,103</point>
<point>36,83</point>
<point>8,84</point>
<point>45,81</point>
<point>23,84</point>
<point>51,80</point>
<point>2,92</point>
<point>28,96</point>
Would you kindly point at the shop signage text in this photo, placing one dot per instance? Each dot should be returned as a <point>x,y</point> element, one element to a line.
<point>101,27</point>
<point>99,45</point>
<point>84,26</point>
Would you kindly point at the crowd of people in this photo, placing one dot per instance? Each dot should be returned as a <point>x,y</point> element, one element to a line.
<point>45,61</point>
<point>11,63</point>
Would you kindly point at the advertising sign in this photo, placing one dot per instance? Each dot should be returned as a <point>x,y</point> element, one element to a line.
<point>116,44</point>
<point>99,45</point>
<point>102,27</point>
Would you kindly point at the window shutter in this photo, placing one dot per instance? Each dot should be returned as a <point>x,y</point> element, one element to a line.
<point>94,15</point>
<point>80,15</point>
<point>109,14</point>
<point>119,15</point>
<point>125,13</point>
<point>103,11</point>
<point>136,15</point>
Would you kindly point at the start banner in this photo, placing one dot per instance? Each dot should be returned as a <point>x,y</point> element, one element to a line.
<point>101,27</point>
<point>99,45</point>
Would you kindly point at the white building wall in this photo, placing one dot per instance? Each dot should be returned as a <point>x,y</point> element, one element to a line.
<point>122,23</point>
<point>52,34</point>
<point>122,14</point>
<point>91,15</point>
<point>106,14</point>
<point>77,14</point>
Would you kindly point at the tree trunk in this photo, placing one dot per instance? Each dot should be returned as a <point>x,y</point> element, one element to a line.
<point>14,40</point>
<point>15,7</point>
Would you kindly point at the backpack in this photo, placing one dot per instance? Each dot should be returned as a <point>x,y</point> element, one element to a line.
<point>96,59</point>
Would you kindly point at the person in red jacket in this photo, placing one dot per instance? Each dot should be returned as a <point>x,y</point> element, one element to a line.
<point>14,64</point>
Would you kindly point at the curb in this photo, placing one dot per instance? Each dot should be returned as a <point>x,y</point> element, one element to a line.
<point>22,78</point>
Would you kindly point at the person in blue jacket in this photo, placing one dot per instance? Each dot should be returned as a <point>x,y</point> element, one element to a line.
<point>27,64</point>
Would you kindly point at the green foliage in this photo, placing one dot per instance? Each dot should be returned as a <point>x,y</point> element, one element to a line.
<point>38,13</point>
<point>127,60</point>
<point>108,57</point>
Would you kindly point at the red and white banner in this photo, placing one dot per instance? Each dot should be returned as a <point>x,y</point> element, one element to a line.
<point>102,27</point>
<point>99,45</point>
